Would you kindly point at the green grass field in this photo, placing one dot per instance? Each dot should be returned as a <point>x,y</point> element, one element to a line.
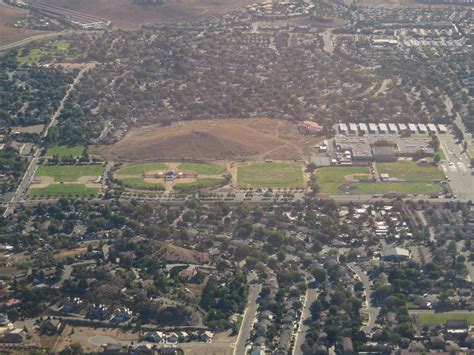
<point>331,178</point>
<point>139,183</point>
<point>441,318</point>
<point>139,169</point>
<point>200,183</point>
<point>414,188</point>
<point>276,175</point>
<point>69,173</point>
<point>410,171</point>
<point>64,151</point>
<point>202,169</point>
<point>60,47</point>
<point>58,190</point>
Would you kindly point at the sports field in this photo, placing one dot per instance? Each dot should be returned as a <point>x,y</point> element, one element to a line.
<point>275,175</point>
<point>331,179</point>
<point>201,168</point>
<point>63,190</point>
<point>414,188</point>
<point>63,151</point>
<point>139,183</point>
<point>441,318</point>
<point>139,169</point>
<point>69,173</point>
<point>410,171</point>
<point>358,180</point>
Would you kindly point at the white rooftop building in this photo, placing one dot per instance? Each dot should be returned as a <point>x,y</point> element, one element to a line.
<point>432,128</point>
<point>343,128</point>
<point>373,128</point>
<point>412,127</point>
<point>422,128</point>
<point>383,128</point>
<point>392,127</point>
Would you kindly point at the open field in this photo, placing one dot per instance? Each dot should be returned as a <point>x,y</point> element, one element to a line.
<point>57,190</point>
<point>410,171</point>
<point>69,173</point>
<point>65,151</point>
<point>254,139</point>
<point>441,318</point>
<point>332,178</point>
<point>10,34</point>
<point>129,13</point>
<point>276,175</point>
<point>441,154</point>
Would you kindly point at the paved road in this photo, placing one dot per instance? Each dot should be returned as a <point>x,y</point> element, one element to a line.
<point>311,295</point>
<point>373,312</point>
<point>25,181</point>
<point>249,317</point>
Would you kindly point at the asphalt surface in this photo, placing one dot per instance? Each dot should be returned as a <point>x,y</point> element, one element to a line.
<point>311,296</point>
<point>457,168</point>
<point>249,317</point>
<point>372,312</point>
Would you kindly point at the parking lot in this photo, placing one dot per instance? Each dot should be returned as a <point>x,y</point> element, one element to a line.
<point>457,168</point>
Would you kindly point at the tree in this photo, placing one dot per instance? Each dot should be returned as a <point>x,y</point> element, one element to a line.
<point>73,349</point>
<point>319,274</point>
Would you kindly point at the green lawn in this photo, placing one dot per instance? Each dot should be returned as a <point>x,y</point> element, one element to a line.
<point>441,318</point>
<point>277,175</point>
<point>139,183</point>
<point>198,184</point>
<point>69,173</point>
<point>65,151</point>
<point>414,188</point>
<point>57,190</point>
<point>331,178</point>
<point>202,169</point>
<point>139,169</point>
<point>441,154</point>
<point>410,171</point>
<point>60,47</point>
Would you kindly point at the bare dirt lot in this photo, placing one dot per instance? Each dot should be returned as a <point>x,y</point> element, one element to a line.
<point>129,13</point>
<point>8,33</point>
<point>219,139</point>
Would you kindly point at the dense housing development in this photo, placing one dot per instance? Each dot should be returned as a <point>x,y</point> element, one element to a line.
<point>264,178</point>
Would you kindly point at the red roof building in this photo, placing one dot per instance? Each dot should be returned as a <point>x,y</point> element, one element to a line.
<point>309,127</point>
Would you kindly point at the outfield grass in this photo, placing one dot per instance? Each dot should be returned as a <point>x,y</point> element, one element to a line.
<point>399,187</point>
<point>264,175</point>
<point>139,183</point>
<point>410,171</point>
<point>441,318</point>
<point>139,169</point>
<point>58,190</point>
<point>63,151</point>
<point>198,184</point>
<point>201,168</point>
<point>69,173</point>
<point>331,178</point>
